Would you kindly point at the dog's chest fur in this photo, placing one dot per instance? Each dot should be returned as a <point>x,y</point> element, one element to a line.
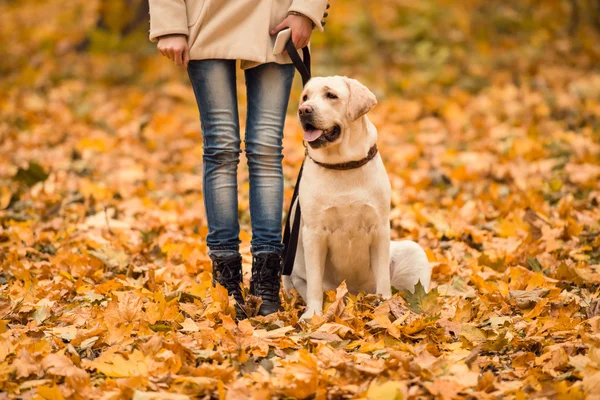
<point>346,209</point>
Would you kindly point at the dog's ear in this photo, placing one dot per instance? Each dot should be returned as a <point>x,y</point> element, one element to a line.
<point>361,99</point>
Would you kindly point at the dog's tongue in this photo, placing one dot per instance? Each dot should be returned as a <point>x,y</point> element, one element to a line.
<point>312,134</point>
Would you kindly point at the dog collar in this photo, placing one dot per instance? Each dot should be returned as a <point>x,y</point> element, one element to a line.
<point>349,164</point>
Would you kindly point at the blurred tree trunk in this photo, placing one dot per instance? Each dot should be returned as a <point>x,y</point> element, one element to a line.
<point>596,13</point>
<point>575,16</point>
<point>121,17</point>
<point>590,11</point>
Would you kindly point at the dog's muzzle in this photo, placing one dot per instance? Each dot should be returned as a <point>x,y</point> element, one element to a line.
<point>315,136</point>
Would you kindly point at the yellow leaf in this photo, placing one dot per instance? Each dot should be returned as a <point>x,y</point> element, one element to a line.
<point>189,326</point>
<point>507,228</point>
<point>50,392</point>
<point>537,310</point>
<point>117,366</point>
<point>372,346</point>
<point>472,333</point>
<point>5,196</point>
<point>140,395</point>
<point>390,390</point>
<point>385,323</point>
<point>92,144</point>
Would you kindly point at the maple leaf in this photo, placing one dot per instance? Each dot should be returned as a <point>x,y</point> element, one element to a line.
<point>115,365</point>
<point>59,364</point>
<point>338,329</point>
<point>300,378</point>
<point>26,365</point>
<point>420,301</point>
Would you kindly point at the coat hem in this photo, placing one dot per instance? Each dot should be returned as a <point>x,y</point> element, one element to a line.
<point>246,61</point>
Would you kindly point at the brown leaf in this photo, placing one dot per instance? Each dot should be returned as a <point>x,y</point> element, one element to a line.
<point>26,365</point>
<point>329,337</point>
<point>338,329</point>
<point>593,310</point>
<point>526,299</point>
<point>397,307</point>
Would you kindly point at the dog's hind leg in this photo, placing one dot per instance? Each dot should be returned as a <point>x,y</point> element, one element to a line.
<point>408,265</point>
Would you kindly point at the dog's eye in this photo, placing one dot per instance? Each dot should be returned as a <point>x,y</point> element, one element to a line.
<point>304,98</point>
<point>330,95</point>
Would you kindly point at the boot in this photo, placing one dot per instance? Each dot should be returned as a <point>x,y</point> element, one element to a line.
<point>266,280</point>
<point>227,271</point>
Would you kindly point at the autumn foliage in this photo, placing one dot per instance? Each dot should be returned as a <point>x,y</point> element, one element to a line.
<point>489,122</point>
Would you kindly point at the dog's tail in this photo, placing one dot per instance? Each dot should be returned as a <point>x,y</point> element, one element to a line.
<point>408,265</point>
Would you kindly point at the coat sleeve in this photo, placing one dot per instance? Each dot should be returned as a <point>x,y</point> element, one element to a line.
<point>167,17</point>
<point>313,9</point>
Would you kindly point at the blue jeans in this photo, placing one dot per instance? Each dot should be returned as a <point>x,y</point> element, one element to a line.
<point>268,91</point>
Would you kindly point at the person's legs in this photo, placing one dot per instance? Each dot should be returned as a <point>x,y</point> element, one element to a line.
<point>214,85</point>
<point>215,89</point>
<point>268,88</point>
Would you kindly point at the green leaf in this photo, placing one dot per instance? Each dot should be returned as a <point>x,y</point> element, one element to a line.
<point>32,175</point>
<point>534,264</point>
<point>160,328</point>
<point>420,301</point>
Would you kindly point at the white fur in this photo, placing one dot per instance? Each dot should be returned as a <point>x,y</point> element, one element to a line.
<point>345,228</point>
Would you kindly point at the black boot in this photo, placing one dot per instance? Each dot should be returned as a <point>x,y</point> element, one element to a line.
<point>265,282</point>
<point>227,270</point>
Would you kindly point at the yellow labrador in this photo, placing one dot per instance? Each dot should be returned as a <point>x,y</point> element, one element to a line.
<point>345,196</point>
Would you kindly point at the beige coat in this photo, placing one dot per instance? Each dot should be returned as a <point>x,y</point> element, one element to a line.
<point>229,29</point>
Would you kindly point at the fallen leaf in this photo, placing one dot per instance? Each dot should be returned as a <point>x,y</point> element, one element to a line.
<point>528,298</point>
<point>115,365</point>
<point>421,302</point>
<point>390,390</point>
<point>31,175</point>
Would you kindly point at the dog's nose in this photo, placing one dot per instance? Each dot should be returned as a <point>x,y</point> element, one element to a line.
<point>305,109</point>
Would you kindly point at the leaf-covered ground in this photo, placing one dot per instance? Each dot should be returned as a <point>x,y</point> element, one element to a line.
<point>105,283</point>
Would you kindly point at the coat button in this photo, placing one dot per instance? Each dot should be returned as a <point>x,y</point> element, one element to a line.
<point>328,5</point>
<point>323,23</point>
<point>325,15</point>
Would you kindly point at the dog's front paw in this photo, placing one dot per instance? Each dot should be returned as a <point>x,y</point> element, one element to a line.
<point>308,314</point>
<point>386,294</point>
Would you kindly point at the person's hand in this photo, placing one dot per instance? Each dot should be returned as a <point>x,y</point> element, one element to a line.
<point>301,27</point>
<point>175,48</point>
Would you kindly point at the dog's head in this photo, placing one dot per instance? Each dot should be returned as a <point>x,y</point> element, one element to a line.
<point>328,105</point>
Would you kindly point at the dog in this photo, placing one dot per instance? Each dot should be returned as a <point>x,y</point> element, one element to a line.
<point>345,197</point>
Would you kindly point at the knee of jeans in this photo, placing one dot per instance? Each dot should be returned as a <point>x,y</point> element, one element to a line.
<point>265,157</point>
<point>221,143</point>
<point>222,155</point>
<point>268,147</point>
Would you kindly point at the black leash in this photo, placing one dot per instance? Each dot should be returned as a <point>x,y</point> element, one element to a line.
<point>302,66</point>
<point>291,233</point>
